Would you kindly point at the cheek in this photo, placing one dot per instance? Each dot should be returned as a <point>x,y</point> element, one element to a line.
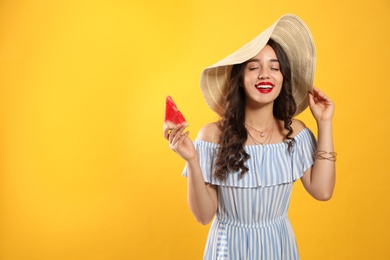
<point>249,79</point>
<point>279,87</point>
<point>278,84</point>
<point>278,90</point>
<point>247,83</point>
<point>279,80</point>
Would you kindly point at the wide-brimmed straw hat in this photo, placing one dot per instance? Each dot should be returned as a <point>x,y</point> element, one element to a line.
<point>292,34</point>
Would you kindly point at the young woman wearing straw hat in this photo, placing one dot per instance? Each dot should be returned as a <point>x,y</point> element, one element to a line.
<point>241,169</point>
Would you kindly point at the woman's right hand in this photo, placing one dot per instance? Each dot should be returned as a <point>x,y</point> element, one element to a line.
<point>180,143</point>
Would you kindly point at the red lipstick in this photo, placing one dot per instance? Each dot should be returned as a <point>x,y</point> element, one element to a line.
<point>264,87</point>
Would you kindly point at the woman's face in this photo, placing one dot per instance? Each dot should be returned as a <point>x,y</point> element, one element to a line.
<point>262,78</point>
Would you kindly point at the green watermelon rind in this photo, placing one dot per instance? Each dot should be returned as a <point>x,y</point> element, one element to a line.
<point>172,125</point>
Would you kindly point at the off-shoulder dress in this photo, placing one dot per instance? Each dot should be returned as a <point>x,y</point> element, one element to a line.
<point>251,221</point>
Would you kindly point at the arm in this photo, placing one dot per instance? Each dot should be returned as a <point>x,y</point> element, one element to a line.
<point>320,179</point>
<point>202,197</point>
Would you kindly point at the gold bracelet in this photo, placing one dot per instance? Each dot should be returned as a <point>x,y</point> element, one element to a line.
<point>322,155</point>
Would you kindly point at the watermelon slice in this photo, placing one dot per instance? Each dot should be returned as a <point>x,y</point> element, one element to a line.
<point>173,116</point>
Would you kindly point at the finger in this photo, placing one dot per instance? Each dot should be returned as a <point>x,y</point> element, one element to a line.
<point>174,130</point>
<point>311,99</point>
<point>177,142</point>
<point>175,134</point>
<point>321,94</point>
<point>182,137</point>
<point>166,132</point>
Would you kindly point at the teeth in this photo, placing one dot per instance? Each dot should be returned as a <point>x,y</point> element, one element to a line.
<point>264,86</point>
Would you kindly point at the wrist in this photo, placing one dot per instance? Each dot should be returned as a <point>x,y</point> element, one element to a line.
<point>193,160</point>
<point>324,124</point>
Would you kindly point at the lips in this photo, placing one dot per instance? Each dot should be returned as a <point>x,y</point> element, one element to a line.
<point>264,87</point>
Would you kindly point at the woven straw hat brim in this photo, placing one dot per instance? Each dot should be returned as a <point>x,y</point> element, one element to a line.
<point>293,36</point>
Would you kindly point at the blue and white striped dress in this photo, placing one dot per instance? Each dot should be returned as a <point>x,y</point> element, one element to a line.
<point>251,220</point>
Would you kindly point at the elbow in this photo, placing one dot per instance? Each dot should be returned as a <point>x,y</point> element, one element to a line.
<point>204,220</point>
<point>204,223</point>
<point>322,193</point>
<point>203,215</point>
<point>323,196</point>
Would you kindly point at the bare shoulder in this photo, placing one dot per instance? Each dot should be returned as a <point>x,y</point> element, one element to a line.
<point>210,133</point>
<point>297,126</point>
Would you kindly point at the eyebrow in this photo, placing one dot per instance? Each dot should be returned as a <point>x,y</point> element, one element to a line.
<point>258,60</point>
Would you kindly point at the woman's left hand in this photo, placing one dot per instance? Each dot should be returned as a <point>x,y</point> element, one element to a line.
<point>321,106</point>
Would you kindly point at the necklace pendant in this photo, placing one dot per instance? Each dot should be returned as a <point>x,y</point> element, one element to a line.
<point>262,134</point>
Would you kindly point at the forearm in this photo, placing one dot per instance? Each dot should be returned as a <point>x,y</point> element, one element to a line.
<point>201,197</point>
<point>323,172</point>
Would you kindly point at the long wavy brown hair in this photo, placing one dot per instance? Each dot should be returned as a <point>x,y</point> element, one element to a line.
<point>231,156</point>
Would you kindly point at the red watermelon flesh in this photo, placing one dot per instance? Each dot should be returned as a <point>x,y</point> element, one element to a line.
<point>173,116</point>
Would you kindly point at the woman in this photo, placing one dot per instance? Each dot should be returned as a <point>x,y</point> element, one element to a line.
<point>241,169</point>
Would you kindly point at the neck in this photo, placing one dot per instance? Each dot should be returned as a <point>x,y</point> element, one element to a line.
<point>259,118</point>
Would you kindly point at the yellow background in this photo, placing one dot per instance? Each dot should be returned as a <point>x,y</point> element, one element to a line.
<point>84,170</point>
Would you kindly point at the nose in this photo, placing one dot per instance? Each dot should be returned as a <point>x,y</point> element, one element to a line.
<point>263,74</point>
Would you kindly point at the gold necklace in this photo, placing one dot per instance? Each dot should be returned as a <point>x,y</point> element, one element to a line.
<point>267,139</point>
<point>262,133</point>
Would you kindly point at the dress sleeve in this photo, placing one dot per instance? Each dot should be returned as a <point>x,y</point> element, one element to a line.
<point>207,153</point>
<point>304,153</point>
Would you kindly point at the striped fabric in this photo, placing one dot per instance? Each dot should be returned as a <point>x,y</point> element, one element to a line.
<point>251,220</point>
